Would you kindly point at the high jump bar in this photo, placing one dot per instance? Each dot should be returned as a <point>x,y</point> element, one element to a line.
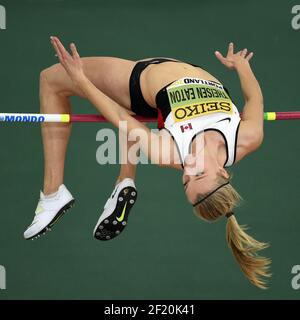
<point>66,118</point>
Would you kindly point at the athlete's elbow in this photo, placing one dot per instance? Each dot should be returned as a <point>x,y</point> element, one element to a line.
<point>257,139</point>
<point>260,138</point>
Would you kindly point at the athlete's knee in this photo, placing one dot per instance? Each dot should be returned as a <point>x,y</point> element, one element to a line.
<point>47,76</point>
<point>55,80</point>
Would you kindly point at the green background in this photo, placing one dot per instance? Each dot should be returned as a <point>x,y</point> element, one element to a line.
<point>165,252</point>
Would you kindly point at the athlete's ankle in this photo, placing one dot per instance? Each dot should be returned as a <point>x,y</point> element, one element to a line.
<point>121,178</point>
<point>50,190</point>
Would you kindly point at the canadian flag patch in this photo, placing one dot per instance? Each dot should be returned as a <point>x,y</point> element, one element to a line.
<point>186,127</point>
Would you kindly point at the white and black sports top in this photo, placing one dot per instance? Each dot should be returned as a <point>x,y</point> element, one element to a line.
<point>190,106</point>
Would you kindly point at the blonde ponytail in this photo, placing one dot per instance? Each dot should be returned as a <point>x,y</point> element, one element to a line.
<point>245,249</point>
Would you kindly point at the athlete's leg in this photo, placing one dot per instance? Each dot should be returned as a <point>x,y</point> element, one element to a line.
<point>114,216</point>
<point>55,135</point>
<point>110,75</point>
<point>128,163</point>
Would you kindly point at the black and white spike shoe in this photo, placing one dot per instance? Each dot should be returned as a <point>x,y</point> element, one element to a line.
<point>114,218</point>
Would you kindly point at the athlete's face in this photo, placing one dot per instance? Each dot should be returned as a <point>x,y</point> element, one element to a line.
<point>200,179</point>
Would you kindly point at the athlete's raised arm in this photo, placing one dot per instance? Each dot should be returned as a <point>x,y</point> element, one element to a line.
<point>251,127</point>
<point>111,110</point>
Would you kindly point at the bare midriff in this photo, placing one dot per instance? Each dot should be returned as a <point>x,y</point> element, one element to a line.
<point>157,76</point>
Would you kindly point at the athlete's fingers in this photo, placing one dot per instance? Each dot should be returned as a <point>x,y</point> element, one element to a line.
<point>220,56</point>
<point>250,55</point>
<point>65,54</point>
<point>58,54</point>
<point>230,49</point>
<point>59,49</point>
<point>74,51</point>
<point>244,53</point>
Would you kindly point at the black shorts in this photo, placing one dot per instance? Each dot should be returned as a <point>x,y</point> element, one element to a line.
<point>138,104</point>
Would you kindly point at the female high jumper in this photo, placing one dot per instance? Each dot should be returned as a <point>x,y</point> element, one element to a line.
<point>195,109</point>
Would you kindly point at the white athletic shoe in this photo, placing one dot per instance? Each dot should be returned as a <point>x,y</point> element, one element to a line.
<point>115,215</point>
<point>49,210</point>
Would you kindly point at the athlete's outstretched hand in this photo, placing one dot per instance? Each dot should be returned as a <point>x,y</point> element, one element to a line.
<point>233,59</point>
<point>71,62</point>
